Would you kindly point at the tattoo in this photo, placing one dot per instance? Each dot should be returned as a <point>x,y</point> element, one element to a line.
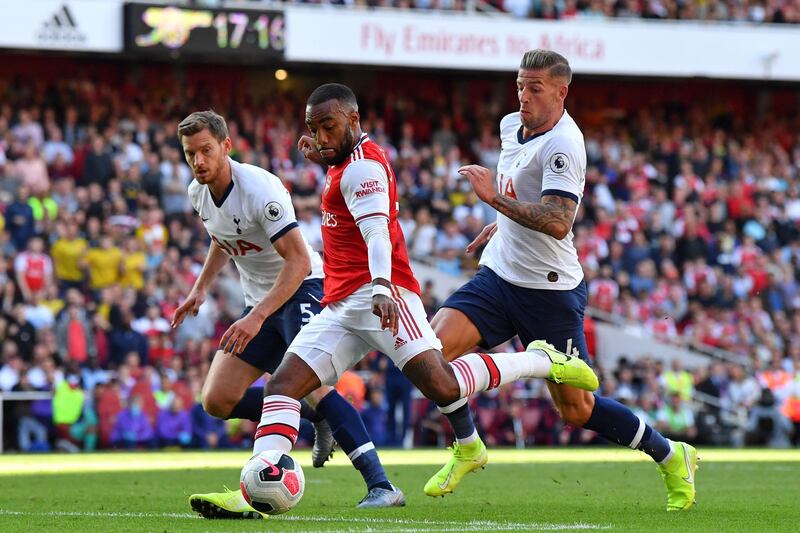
<point>554,216</point>
<point>419,370</point>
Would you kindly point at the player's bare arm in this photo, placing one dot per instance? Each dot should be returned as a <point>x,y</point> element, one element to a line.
<point>553,216</point>
<point>385,308</point>
<point>297,265</point>
<point>483,237</point>
<point>216,259</point>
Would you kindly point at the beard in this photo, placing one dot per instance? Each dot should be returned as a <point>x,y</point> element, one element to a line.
<point>344,150</point>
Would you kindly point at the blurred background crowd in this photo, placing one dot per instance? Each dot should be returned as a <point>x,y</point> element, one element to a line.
<point>688,233</point>
<point>737,11</point>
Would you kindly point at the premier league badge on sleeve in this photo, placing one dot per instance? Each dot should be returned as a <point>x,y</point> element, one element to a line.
<point>559,163</point>
<point>273,211</point>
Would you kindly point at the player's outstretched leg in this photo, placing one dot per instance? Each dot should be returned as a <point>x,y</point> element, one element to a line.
<point>281,418</point>
<point>676,461</point>
<point>468,452</point>
<point>351,434</point>
<point>230,504</point>
<point>678,474</point>
<point>323,436</point>
<point>480,371</point>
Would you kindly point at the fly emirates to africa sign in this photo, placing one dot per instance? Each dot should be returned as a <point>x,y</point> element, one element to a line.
<point>485,43</point>
<point>422,40</point>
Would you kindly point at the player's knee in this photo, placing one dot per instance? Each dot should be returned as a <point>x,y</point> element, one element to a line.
<point>217,404</point>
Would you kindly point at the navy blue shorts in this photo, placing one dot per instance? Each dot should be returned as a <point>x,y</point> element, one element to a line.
<point>266,350</point>
<point>501,310</point>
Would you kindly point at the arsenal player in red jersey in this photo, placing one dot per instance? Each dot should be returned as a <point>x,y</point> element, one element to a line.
<point>371,296</point>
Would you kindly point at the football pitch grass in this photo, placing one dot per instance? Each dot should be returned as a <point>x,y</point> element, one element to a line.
<point>520,490</point>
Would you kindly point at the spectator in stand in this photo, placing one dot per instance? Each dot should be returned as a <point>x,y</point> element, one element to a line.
<point>19,219</point>
<point>678,381</point>
<point>123,340</point>
<point>376,415</point>
<point>676,420</point>
<point>104,263</point>
<point>32,433</point>
<point>34,271</point>
<point>133,265</point>
<point>74,332</point>
<point>98,166</point>
<point>133,429</point>
<point>68,399</point>
<point>766,425</point>
<point>174,425</point>
<point>67,253</point>
<point>27,132</point>
<point>55,147</point>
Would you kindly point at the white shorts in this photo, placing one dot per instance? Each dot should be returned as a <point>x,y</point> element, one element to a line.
<point>345,331</point>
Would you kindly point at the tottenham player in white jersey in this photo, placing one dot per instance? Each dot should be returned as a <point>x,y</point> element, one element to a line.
<point>531,284</point>
<point>249,217</point>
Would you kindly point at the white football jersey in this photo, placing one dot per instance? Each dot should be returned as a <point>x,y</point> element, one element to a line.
<point>254,212</point>
<point>553,162</point>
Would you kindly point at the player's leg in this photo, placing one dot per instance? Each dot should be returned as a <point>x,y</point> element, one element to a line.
<point>292,316</point>
<point>319,354</point>
<point>478,313</point>
<point>229,379</point>
<point>563,327</point>
<point>677,461</point>
<point>280,414</point>
<point>415,350</point>
<point>227,392</point>
<point>351,434</point>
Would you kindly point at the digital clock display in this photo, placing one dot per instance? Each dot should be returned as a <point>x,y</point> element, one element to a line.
<point>156,29</point>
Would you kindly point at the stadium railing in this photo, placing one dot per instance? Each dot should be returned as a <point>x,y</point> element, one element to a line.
<point>19,396</point>
<point>692,348</point>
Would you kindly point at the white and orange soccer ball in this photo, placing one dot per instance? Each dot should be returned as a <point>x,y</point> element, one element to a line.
<point>272,482</point>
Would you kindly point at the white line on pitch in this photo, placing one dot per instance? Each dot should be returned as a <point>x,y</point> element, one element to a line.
<point>403,525</point>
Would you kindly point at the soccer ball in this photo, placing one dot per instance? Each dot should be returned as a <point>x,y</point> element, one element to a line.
<point>272,482</point>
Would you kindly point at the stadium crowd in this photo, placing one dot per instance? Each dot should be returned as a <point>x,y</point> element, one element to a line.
<point>688,230</point>
<point>735,11</point>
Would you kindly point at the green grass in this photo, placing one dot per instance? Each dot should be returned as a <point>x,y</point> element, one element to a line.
<point>538,489</point>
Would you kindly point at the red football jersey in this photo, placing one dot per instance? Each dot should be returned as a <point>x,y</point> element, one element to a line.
<point>345,260</point>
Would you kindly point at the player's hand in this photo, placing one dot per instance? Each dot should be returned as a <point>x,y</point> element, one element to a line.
<point>482,181</point>
<point>386,309</point>
<point>240,334</point>
<point>191,305</point>
<point>308,148</point>
<point>483,237</point>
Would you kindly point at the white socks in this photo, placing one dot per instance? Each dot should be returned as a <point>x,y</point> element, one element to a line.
<point>480,371</point>
<point>280,418</point>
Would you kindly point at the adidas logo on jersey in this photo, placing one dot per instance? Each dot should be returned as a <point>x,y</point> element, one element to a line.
<point>399,343</point>
<point>61,27</point>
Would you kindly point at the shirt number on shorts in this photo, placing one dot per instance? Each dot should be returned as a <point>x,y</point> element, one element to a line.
<point>306,313</point>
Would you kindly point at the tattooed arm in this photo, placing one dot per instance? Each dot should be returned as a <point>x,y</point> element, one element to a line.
<point>553,216</point>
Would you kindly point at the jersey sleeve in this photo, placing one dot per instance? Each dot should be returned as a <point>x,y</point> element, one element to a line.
<point>365,188</point>
<point>272,207</point>
<point>564,168</point>
<point>193,191</point>
<point>509,125</point>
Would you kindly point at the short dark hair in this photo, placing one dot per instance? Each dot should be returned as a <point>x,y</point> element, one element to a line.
<point>201,120</point>
<point>333,91</point>
<point>540,59</point>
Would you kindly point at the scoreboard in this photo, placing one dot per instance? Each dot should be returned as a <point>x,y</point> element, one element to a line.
<point>197,33</point>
